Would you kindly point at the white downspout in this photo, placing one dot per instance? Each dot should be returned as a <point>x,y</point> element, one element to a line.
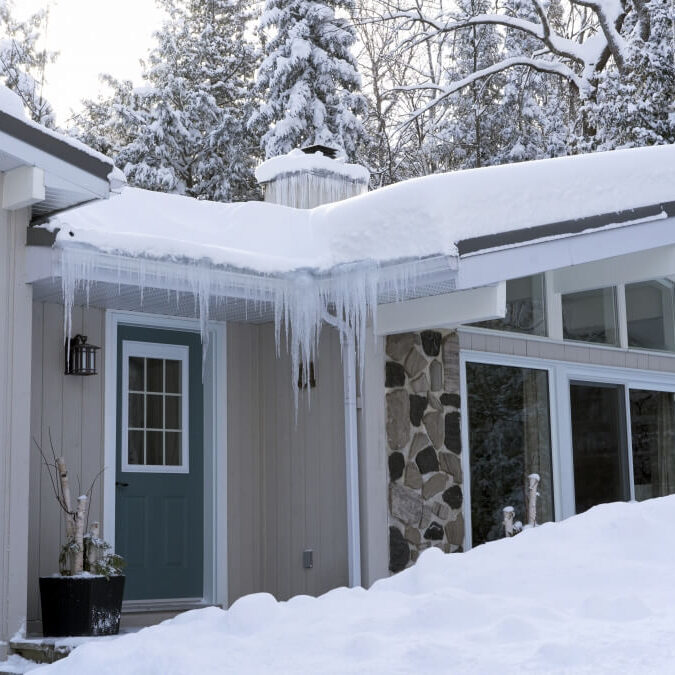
<point>351,450</point>
<point>352,461</point>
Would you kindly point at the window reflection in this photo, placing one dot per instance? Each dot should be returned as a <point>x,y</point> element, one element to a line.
<point>509,438</point>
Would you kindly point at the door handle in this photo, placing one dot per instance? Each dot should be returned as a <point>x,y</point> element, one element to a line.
<point>118,484</point>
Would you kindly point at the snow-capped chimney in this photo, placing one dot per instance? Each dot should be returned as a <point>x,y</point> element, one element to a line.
<point>310,177</point>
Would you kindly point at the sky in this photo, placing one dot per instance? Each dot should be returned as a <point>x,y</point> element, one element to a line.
<point>92,37</point>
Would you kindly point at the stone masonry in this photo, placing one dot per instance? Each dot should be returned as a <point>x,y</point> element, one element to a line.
<point>423,445</point>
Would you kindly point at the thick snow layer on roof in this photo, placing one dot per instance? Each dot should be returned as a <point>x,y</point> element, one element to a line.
<point>422,217</point>
<point>297,160</point>
<point>592,594</point>
<point>11,104</point>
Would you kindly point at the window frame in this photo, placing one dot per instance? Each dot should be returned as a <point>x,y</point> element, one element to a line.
<point>560,375</point>
<point>153,350</point>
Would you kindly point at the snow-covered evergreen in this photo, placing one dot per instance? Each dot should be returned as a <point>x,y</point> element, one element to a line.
<point>186,132</point>
<point>23,62</point>
<point>308,81</point>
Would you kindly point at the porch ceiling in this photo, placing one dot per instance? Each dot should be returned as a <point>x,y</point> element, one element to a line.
<point>105,295</point>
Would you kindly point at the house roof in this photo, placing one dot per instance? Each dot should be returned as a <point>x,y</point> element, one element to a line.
<point>454,214</point>
<point>74,173</point>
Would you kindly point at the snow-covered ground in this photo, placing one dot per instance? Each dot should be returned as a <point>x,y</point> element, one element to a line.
<point>593,594</point>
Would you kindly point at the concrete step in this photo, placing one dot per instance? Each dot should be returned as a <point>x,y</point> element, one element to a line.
<point>42,650</point>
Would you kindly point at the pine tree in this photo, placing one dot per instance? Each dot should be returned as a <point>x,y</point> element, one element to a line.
<point>186,132</point>
<point>632,108</point>
<point>473,136</point>
<point>23,63</point>
<point>308,81</point>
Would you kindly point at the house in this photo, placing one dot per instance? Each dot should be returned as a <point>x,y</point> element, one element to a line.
<point>305,393</point>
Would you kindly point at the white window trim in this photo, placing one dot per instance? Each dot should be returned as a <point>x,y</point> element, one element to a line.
<point>560,374</point>
<point>153,350</point>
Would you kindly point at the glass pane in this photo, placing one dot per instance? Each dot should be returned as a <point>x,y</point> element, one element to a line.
<point>509,438</point>
<point>524,307</point>
<point>598,444</point>
<point>135,447</point>
<point>173,369</point>
<point>652,419</point>
<point>136,414</point>
<point>154,451</point>
<point>136,373</point>
<point>173,412</point>
<point>155,412</point>
<point>649,314</point>
<point>173,448</point>
<point>155,375</point>
<point>590,316</point>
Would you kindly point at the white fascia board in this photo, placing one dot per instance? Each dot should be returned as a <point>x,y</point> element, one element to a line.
<point>22,187</point>
<point>442,311</point>
<point>482,268</point>
<point>78,179</point>
<point>640,266</point>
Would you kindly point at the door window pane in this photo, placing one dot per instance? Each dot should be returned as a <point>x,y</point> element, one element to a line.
<point>598,444</point>
<point>509,438</point>
<point>155,417</point>
<point>590,316</point>
<point>652,417</point>
<point>649,314</point>
<point>524,307</point>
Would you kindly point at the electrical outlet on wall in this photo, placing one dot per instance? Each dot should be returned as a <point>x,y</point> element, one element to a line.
<point>308,559</point>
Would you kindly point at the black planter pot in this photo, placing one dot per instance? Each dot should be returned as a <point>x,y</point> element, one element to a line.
<point>81,605</point>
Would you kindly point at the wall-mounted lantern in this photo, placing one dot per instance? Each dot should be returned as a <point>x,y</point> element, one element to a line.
<point>80,356</point>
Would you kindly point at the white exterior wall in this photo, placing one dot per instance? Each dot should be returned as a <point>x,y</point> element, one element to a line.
<point>15,369</point>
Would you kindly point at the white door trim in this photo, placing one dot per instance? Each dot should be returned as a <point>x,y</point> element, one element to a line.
<point>560,374</point>
<point>215,439</point>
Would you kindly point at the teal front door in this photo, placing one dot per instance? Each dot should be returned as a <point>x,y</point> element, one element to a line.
<point>159,505</point>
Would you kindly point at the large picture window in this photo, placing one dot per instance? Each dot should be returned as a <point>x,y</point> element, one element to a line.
<point>509,438</point>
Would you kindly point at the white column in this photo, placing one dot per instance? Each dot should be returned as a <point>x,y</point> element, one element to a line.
<point>15,377</point>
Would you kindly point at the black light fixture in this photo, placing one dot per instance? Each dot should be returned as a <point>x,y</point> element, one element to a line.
<point>80,356</point>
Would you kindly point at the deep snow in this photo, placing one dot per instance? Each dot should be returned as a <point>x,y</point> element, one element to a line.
<point>592,594</point>
<point>416,218</point>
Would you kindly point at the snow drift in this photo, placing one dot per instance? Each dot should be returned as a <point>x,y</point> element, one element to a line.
<point>592,594</point>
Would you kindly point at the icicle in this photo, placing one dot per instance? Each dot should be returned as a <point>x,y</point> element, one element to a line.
<point>302,300</point>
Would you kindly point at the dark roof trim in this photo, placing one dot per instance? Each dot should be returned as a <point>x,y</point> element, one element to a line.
<point>54,146</point>
<point>577,226</point>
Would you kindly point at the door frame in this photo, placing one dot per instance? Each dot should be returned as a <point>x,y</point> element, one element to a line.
<point>560,375</point>
<point>215,450</point>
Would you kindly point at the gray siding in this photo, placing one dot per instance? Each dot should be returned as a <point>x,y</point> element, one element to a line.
<point>71,409</point>
<point>15,368</point>
<point>286,479</point>
<point>521,345</point>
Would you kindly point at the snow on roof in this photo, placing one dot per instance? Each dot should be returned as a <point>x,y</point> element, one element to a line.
<point>591,594</point>
<point>416,218</point>
<point>297,160</point>
<point>12,104</point>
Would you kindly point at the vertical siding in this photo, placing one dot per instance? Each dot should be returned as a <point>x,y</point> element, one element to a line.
<point>304,472</point>
<point>244,477</point>
<point>70,409</point>
<point>286,478</point>
<point>15,381</point>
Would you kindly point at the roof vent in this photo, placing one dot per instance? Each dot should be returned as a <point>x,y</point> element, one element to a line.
<point>310,177</point>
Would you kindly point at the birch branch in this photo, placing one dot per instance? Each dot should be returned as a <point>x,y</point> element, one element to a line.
<point>78,554</point>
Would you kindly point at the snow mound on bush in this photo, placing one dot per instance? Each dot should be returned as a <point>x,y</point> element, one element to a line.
<point>592,594</point>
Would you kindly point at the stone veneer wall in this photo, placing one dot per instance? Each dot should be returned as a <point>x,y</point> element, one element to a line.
<point>423,445</point>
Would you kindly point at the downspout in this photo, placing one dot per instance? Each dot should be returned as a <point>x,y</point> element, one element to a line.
<point>351,450</point>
